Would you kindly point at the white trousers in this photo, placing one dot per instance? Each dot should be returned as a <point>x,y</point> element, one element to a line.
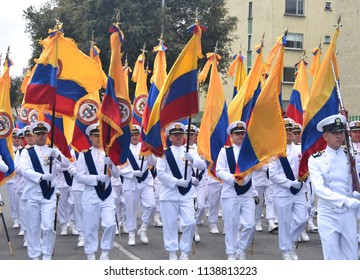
<point>78,210</point>
<point>40,216</point>
<point>338,234</point>
<point>63,211</point>
<point>265,192</point>
<point>238,212</point>
<point>214,191</point>
<point>145,196</point>
<point>292,215</point>
<point>104,210</point>
<point>12,200</point>
<point>201,193</point>
<point>170,212</point>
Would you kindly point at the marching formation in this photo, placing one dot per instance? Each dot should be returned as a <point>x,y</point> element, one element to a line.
<point>126,161</point>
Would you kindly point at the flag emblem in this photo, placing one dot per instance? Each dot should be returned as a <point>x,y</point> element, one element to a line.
<point>5,125</point>
<point>24,112</point>
<point>125,110</point>
<point>87,113</point>
<point>139,105</point>
<point>33,116</point>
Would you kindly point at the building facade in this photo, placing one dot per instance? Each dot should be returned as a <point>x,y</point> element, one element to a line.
<point>309,23</point>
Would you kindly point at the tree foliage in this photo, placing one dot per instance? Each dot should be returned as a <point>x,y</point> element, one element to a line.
<point>141,21</point>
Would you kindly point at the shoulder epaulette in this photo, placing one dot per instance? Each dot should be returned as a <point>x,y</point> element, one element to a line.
<point>228,147</point>
<point>318,154</point>
<point>296,143</point>
<point>344,148</point>
<point>29,147</point>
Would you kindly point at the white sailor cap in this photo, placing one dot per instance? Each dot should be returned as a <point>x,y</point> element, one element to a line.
<point>20,133</point>
<point>193,129</point>
<point>27,130</point>
<point>354,125</point>
<point>92,129</point>
<point>236,127</point>
<point>332,123</point>
<point>135,128</point>
<point>38,127</point>
<point>15,131</point>
<point>289,123</point>
<point>175,128</point>
<point>297,127</point>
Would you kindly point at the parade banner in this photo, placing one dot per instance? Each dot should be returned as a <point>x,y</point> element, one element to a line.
<point>178,97</point>
<point>6,124</point>
<point>323,102</point>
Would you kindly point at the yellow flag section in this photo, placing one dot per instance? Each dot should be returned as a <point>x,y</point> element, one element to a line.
<point>237,67</point>
<point>212,135</point>
<point>6,124</point>
<point>266,137</point>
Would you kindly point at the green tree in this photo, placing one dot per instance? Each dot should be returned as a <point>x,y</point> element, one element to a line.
<point>141,21</point>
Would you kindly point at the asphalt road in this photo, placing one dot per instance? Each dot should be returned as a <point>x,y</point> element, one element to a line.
<point>211,246</point>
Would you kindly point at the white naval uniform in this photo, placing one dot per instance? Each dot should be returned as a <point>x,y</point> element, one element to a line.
<point>357,148</point>
<point>40,212</point>
<point>214,188</point>
<point>265,189</point>
<point>11,193</point>
<point>331,179</point>
<point>20,182</point>
<point>94,208</point>
<point>64,207</point>
<point>291,209</point>
<point>238,210</point>
<point>174,205</point>
<point>135,192</point>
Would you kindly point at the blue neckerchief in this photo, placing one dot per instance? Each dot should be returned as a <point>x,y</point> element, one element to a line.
<point>135,166</point>
<point>46,191</point>
<point>232,166</point>
<point>153,172</point>
<point>289,173</point>
<point>102,192</point>
<point>198,175</point>
<point>175,170</point>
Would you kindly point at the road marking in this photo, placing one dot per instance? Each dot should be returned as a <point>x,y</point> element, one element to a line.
<point>126,252</point>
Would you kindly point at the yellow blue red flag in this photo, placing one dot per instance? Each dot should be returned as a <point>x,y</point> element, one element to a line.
<point>299,96</point>
<point>178,97</point>
<point>265,137</point>
<point>62,76</point>
<point>157,81</point>
<point>315,64</point>
<point>115,112</point>
<point>323,102</point>
<point>241,106</point>
<point>212,136</point>
<point>6,124</point>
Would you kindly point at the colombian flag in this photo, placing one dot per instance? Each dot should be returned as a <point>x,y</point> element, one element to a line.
<point>157,81</point>
<point>237,67</point>
<point>323,102</point>
<point>300,94</point>
<point>241,106</point>
<point>62,76</point>
<point>6,124</point>
<point>178,97</point>
<point>315,64</point>
<point>265,137</point>
<point>212,136</point>
<point>141,91</point>
<point>115,112</point>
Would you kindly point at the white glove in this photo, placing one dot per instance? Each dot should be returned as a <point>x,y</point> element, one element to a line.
<point>48,176</point>
<point>151,160</point>
<point>356,195</point>
<point>72,170</point>
<point>102,178</point>
<point>54,152</point>
<point>107,161</point>
<point>195,181</point>
<point>296,184</point>
<point>139,173</point>
<point>230,181</point>
<point>352,203</point>
<point>182,183</point>
<point>189,157</point>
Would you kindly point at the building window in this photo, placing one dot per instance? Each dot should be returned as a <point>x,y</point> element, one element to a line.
<point>294,41</point>
<point>249,42</point>
<point>327,39</point>
<point>328,6</point>
<point>250,10</point>
<point>294,7</point>
<point>289,75</point>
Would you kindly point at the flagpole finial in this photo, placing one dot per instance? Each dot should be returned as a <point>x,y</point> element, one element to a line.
<point>58,24</point>
<point>216,47</point>
<point>143,50</point>
<point>320,44</point>
<point>338,25</point>
<point>196,16</point>
<point>117,23</point>
<point>161,41</point>
<point>7,52</point>
<point>286,31</point>
<point>303,56</point>
<point>262,40</point>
